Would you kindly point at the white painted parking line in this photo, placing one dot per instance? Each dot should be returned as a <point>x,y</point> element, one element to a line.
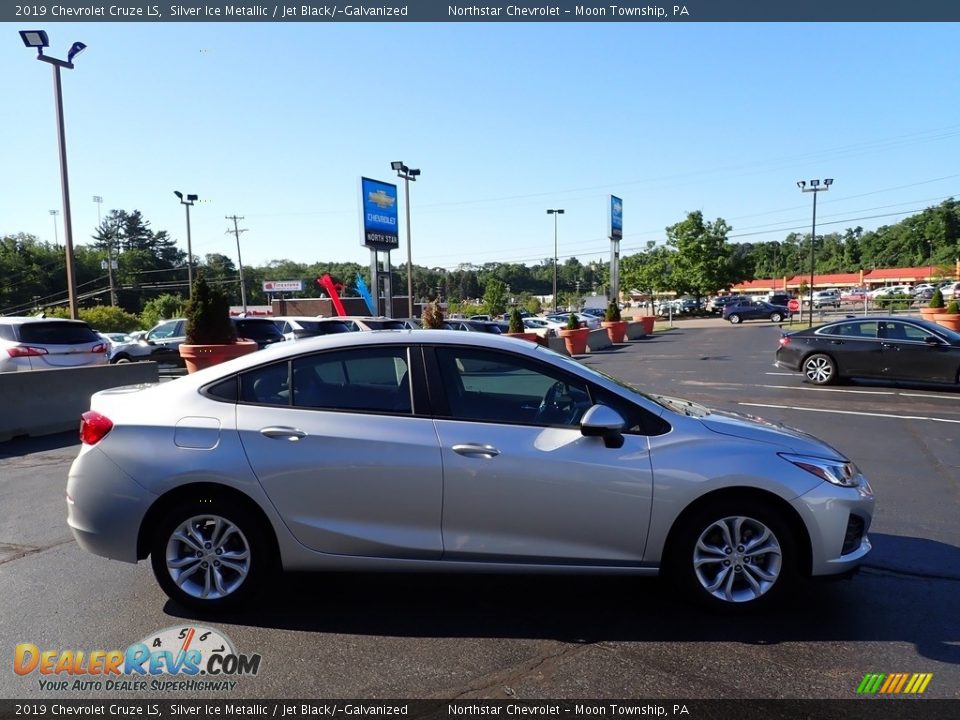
<point>784,374</point>
<point>863,392</point>
<point>852,412</point>
<point>838,390</point>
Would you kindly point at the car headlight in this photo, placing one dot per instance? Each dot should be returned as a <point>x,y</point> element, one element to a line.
<point>838,472</point>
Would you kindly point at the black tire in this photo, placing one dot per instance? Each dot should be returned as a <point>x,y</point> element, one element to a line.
<point>776,317</point>
<point>782,562</point>
<point>819,369</point>
<point>120,359</point>
<point>249,535</point>
<point>734,319</point>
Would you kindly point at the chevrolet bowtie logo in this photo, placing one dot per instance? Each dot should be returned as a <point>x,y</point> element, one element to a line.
<point>381,199</point>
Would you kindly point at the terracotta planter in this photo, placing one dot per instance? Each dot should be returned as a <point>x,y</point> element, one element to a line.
<point>528,336</point>
<point>576,340</point>
<point>927,313</point>
<point>617,330</point>
<point>648,321</point>
<point>951,321</point>
<point>198,357</point>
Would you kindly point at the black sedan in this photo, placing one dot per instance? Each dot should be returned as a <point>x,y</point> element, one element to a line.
<point>748,309</point>
<point>887,348</point>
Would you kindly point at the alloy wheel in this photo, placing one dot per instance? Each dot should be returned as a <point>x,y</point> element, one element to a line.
<point>737,559</point>
<point>208,557</point>
<point>818,369</point>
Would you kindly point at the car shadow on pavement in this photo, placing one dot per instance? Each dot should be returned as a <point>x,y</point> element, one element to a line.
<point>876,605</point>
<point>20,446</point>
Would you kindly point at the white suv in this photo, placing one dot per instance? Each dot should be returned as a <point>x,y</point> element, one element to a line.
<point>34,343</point>
<point>824,298</point>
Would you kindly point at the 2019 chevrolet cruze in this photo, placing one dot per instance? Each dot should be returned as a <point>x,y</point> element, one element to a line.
<point>432,450</point>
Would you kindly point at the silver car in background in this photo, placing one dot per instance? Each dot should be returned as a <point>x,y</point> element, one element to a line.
<point>35,343</point>
<point>432,450</point>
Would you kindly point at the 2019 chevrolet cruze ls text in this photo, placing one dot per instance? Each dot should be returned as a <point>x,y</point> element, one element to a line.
<point>441,450</point>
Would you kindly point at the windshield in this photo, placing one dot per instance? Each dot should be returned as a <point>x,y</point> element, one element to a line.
<point>664,402</point>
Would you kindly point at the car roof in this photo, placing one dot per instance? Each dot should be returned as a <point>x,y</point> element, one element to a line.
<point>22,319</point>
<point>281,351</point>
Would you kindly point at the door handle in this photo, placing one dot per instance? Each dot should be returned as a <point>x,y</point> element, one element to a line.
<point>836,342</point>
<point>471,450</point>
<point>283,433</point>
<point>888,346</point>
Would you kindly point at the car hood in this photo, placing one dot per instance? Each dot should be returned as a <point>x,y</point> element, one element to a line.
<point>750,427</point>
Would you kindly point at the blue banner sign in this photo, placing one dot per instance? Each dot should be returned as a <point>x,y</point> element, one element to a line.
<point>378,205</point>
<point>616,218</point>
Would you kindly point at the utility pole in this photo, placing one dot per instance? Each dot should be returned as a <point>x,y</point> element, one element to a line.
<point>236,232</point>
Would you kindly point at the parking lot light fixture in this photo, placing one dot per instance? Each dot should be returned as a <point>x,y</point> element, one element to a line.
<point>407,174</point>
<point>814,188</point>
<point>38,39</point>
<point>191,199</point>
<point>555,212</point>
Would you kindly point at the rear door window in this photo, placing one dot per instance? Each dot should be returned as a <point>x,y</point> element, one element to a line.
<point>57,333</point>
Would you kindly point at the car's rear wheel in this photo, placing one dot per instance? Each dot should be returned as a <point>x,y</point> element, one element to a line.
<point>776,317</point>
<point>735,555</point>
<point>210,553</point>
<point>734,319</point>
<point>820,369</point>
<point>120,359</point>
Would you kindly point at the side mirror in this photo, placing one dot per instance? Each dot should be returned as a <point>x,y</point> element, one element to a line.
<point>603,422</point>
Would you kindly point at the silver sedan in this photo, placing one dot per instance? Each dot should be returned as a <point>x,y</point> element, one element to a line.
<point>432,450</point>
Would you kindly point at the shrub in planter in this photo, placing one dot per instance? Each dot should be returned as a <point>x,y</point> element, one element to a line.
<point>517,329</point>
<point>516,322</point>
<point>934,307</point>
<point>432,318</point>
<point>575,336</point>
<point>211,338</point>
<point>951,318</point>
<point>614,325</point>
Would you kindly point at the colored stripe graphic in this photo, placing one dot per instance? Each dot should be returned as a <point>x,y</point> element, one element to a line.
<point>894,683</point>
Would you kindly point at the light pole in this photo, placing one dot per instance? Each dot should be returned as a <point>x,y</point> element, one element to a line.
<point>555,212</point>
<point>236,231</point>
<point>38,39</point>
<point>107,265</point>
<point>814,188</point>
<point>56,240</point>
<point>191,199</point>
<point>407,174</point>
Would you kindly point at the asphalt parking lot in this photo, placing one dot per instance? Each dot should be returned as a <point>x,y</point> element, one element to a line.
<point>513,637</point>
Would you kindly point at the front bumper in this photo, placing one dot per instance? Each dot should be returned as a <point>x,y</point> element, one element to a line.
<point>838,520</point>
<point>105,507</point>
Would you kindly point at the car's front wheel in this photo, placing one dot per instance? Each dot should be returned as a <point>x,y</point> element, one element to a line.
<point>210,553</point>
<point>734,319</point>
<point>820,369</point>
<point>735,555</point>
<point>776,317</point>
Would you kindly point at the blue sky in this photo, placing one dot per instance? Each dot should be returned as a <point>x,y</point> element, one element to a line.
<point>276,122</point>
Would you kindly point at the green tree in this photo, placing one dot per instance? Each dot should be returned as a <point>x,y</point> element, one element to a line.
<point>495,297</point>
<point>163,307</point>
<point>704,261</point>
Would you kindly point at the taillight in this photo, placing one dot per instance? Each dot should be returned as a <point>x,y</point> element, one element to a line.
<point>784,341</point>
<point>26,351</point>
<point>94,427</point>
<point>99,348</point>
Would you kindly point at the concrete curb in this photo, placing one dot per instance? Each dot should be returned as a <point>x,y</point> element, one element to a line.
<point>44,402</point>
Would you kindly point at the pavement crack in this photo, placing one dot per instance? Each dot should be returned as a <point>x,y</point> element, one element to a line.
<point>501,683</point>
<point>22,551</point>
<point>881,570</point>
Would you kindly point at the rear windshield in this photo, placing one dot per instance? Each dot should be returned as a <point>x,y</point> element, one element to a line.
<point>57,333</point>
<point>257,329</point>
<point>385,324</point>
<point>323,328</point>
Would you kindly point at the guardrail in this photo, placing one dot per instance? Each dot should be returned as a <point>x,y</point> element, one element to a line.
<point>43,402</point>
